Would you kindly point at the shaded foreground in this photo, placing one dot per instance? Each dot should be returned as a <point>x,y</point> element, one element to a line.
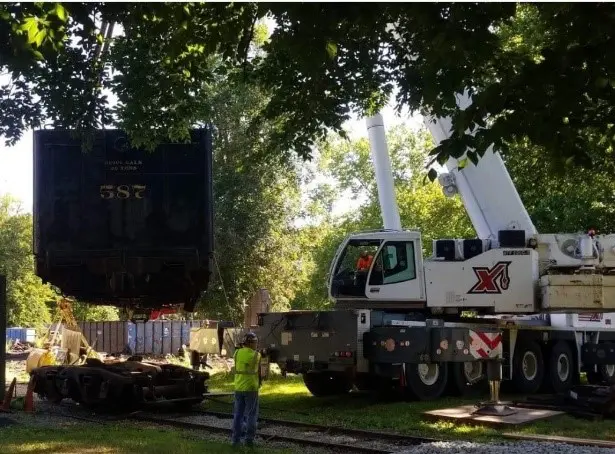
<point>121,438</point>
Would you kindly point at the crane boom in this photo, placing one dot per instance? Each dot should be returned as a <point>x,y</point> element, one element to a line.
<point>486,189</point>
<point>384,176</point>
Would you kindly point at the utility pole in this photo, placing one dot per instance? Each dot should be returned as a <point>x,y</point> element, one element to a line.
<point>2,336</point>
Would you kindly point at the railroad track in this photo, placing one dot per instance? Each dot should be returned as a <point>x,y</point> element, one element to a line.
<point>332,438</point>
<point>329,438</point>
<point>408,439</point>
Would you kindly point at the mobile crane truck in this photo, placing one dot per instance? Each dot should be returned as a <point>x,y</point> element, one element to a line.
<point>541,302</point>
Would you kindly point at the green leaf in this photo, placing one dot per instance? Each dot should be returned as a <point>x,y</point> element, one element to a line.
<point>40,36</point>
<point>27,23</point>
<point>38,55</point>
<point>442,158</point>
<point>331,49</point>
<point>186,72</point>
<point>31,27</point>
<point>60,12</point>
<point>462,163</point>
<point>32,34</point>
<point>432,174</point>
<point>472,156</point>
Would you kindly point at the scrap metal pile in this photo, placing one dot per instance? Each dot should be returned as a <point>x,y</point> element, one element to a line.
<point>585,401</point>
<point>18,347</point>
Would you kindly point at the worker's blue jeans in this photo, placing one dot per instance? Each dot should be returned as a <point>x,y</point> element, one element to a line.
<point>245,415</point>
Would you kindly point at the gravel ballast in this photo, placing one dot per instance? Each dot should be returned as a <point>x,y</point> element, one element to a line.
<point>444,447</point>
<point>522,447</point>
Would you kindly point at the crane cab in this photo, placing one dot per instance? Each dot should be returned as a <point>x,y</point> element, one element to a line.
<point>378,269</point>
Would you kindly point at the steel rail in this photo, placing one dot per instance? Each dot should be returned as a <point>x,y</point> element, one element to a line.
<point>338,430</point>
<point>342,447</point>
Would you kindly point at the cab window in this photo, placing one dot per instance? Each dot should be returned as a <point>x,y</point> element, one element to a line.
<point>350,273</point>
<point>395,263</point>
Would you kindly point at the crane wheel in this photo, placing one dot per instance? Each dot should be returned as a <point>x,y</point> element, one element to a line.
<point>528,367</point>
<point>321,384</point>
<point>426,381</point>
<point>604,375</point>
<point>468,379</point>
<point>561,371</point>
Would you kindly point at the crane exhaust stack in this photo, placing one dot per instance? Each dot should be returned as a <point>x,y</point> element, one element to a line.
<point>384,176</point>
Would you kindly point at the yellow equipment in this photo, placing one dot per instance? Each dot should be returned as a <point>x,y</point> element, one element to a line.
<point>73,349</point>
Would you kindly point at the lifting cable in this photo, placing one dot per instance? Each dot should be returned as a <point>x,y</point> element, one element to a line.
<point>221,280</point>
<point>225,295</point>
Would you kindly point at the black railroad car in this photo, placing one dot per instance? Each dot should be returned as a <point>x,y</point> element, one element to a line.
<point>124,226</point>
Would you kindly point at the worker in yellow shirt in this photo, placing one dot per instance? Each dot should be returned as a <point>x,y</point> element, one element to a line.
<point>246,383</point>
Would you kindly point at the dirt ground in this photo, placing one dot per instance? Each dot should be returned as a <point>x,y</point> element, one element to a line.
<point>16,366</point>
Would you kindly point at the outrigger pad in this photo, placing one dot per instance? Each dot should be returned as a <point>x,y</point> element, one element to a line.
<point>494,409</point>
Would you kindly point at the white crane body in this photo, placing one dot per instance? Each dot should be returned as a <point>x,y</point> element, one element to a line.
<point>508,269</point>
<point>542,301</point>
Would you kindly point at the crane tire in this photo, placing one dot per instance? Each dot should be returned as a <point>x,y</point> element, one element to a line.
<point>321,384</point>
<point>426,381</point>
<point>528,367</point>
<point>468,379</point>
<point>604,375</point>
<point>561,370</point>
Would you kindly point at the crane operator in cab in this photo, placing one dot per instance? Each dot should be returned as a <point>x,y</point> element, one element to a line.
<point>364,261</point>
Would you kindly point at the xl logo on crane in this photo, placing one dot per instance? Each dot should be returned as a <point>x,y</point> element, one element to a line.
<point>491,280</point>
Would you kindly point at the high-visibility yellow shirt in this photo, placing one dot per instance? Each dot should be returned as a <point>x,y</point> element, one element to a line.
<point>246,369</point>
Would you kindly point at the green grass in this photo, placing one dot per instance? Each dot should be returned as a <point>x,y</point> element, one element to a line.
<point>285,398</point>
<point>288,398</point>
<point>126,438</point>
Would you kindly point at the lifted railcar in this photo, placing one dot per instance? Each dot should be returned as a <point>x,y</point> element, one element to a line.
<point>120,225</point>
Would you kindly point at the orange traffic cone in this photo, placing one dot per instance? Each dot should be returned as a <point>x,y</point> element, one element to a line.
<point>6,404</point>
<point>29,401</point>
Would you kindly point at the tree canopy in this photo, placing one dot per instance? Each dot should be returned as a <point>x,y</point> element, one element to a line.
<point>538,72</point>
<point>256,199</point>
<point>576,201</point>
<point>540,75</point>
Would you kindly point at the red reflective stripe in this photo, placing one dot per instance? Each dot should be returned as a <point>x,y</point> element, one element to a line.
<point>492,344</point>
